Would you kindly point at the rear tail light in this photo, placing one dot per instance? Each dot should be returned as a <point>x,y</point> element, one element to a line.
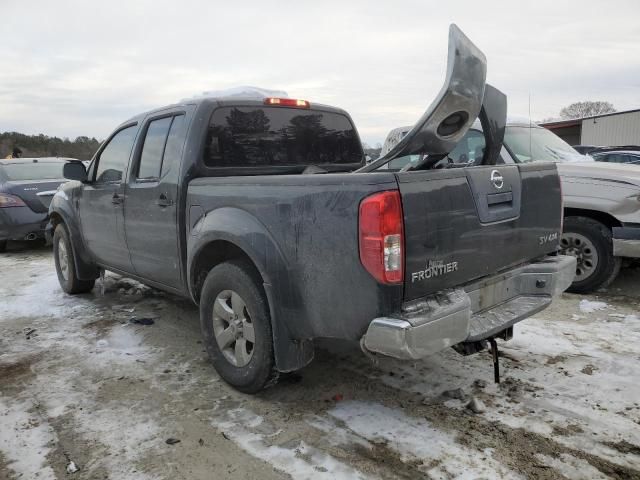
<point>7,200</point>
<point>381,236</point>
<point>287,102</point>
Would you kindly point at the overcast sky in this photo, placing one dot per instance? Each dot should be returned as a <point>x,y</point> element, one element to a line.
<point>74,68</point>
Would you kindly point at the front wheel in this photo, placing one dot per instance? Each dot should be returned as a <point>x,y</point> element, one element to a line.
<point>590,242</point>
<point>236,326</point>
<point>65,264</point>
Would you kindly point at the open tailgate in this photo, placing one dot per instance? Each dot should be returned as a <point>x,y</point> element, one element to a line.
<point>466,221</point>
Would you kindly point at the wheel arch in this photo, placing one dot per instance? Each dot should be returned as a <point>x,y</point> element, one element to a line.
<point>214,253</point>
<point>230,233</point>
<point>84,266</point>
<point>602,217</point>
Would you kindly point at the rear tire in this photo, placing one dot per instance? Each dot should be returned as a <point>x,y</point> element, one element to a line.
<point>590,242</point>
<point>65,264</point>
<point>236,326</point>
<point>3,246</point>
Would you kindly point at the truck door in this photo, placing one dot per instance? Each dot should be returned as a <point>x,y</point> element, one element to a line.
<point>101,205</point>
<point>152,195</point>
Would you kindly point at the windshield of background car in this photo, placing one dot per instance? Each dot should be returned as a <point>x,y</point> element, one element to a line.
<point>532,144</point>
<point>33,171</point>
<point>468,151</point>
<point>277,136</point>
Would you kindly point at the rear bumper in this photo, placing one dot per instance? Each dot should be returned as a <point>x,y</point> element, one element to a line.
<point>19,223</point>
<point>626,241</point>
<point>473,313</point>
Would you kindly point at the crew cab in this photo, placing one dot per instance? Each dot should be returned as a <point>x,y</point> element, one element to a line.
<point>263,212</point>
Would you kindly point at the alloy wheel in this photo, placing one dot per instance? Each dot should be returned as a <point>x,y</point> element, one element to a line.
<point>233,328</point>
<point>63,259</point>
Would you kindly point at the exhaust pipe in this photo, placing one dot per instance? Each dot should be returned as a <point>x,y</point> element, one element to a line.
<point>30,236</point>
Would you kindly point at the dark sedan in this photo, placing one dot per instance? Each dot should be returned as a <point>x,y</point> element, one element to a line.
<point>618,156</point>
<point>26,188</point>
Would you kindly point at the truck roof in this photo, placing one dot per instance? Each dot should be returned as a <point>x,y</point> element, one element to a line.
<point>228,101</point>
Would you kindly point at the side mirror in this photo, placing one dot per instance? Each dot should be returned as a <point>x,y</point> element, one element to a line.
<point>75,171</point>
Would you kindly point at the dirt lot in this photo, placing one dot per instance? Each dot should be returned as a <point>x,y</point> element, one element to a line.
<point>82,387</point>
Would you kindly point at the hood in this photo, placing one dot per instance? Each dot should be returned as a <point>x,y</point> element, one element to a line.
<point>602,171</point>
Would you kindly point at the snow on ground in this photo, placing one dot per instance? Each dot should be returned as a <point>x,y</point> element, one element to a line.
<point>79,383</point>
<point>59,322</point>
<point>588,306</point>
<point>298,459</point>
<point>571,467</point>
<point>579,378</point>
<point>25,439</point>
<point>416,439</point>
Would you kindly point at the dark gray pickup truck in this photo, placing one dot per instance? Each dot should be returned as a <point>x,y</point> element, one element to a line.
<point>264,213</point>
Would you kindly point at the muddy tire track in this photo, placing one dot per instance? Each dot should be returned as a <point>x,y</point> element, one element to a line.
<point>515,448</point>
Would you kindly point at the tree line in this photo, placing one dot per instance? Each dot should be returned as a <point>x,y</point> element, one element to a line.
<point>42,145</point>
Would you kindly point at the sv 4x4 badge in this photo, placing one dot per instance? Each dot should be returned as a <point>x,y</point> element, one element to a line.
<point>434,268</point>
<point>549,237</point>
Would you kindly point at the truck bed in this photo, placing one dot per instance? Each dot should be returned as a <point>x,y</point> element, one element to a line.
<point>308,225</point>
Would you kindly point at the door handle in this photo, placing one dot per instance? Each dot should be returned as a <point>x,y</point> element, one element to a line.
<point>117,199</point>
<point>164,200</point>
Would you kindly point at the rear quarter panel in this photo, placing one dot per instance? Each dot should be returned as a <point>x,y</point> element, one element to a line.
<point>301,231</point>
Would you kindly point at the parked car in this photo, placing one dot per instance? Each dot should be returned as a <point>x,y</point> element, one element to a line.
<point>26,188</point>
<point>265,214</point>
<point>586,149</point>
<point>601,201</point>
<point>617,156</point>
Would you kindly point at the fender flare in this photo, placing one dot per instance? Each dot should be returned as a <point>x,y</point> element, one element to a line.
<point>293,347</point>
<point>86,268</point>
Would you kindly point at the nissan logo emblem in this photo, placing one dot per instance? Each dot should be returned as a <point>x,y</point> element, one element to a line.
<point>496,179</point>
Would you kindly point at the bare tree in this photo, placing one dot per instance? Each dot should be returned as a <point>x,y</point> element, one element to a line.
<point>586,109</point>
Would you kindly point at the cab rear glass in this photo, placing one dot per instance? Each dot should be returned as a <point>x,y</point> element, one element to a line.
<point>32,171</point>
<point>248,136</point>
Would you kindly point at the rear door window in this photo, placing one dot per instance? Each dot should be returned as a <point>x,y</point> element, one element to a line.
<point>175,141</point>
<point>278,136</point>
<point>153,148</point>
<point>115,156</point>
<point>162,147</point>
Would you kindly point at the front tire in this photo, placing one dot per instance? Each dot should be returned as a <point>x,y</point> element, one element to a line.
<point>236,326</point>
<point>65,264</point>
<point>590,242</point>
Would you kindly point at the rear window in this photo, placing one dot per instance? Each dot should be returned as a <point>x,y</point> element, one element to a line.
<point>33,171</point>
<point>276,136</point>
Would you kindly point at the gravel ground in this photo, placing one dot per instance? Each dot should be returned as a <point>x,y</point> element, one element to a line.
<point>87,394</point>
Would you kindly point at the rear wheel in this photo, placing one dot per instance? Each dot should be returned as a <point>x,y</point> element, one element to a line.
<point>236,326</point>
<point>590,242</point>
<point>65,264</point>
<point>3,246</point>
